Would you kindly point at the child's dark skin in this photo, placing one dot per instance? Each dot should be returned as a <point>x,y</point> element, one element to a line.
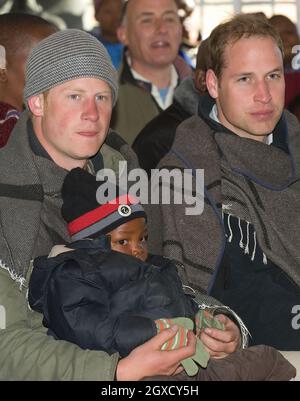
<point>131,238</point>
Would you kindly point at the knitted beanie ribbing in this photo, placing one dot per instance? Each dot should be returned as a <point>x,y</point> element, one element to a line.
<point>67,55</point>
<point>85,216</point>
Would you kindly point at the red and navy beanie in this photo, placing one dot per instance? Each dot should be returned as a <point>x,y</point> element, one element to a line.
<point>86,218</point>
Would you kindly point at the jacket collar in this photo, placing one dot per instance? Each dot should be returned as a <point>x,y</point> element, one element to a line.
<point>187,96</point>
<point>280,133</point>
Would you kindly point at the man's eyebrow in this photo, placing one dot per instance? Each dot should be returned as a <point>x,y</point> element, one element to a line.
<point>242,73</point>
<point>103,91</point>
<point>277,69</point>
<point>145,14</point>
<point>72,88</point>
<point>81,90</point>
<point>151,13</point>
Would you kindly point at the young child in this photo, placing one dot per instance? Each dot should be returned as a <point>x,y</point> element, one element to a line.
<point>104,291</point>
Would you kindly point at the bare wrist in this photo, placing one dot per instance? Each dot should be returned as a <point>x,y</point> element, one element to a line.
<point>125,372</point>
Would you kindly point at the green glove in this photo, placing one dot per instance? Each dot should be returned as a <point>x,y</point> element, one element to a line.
<point>204,319</point>
<point>184,324</point>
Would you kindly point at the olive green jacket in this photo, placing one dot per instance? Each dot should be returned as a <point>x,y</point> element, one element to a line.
<point>26,181</point>
<point>136,106</point>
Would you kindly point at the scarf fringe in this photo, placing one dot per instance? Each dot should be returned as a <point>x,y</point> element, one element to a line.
<point>242,244</point>
<point>14,276</point>
<point>254,248</point>
<point>265,260</point>
<point>242,236</point>
<point>229,226</point>
<point>244,331</point>
<point>185,287</point>
<point>247,245</point>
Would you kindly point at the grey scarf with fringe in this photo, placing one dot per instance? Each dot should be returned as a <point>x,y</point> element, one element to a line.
<point>257,183</point>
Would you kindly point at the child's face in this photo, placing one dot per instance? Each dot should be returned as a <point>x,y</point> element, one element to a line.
<point>131,238</point>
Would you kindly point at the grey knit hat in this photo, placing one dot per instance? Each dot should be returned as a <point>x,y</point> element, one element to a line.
<point>67,55</point>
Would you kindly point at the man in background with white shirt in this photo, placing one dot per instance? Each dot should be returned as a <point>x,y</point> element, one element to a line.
<point>151,31</point>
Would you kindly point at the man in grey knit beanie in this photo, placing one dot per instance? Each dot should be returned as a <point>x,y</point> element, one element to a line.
<point>70,90</point>
<point>68,55</point>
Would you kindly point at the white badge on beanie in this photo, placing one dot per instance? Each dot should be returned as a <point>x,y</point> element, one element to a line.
<point>2,57</point>
<point>124,210</point>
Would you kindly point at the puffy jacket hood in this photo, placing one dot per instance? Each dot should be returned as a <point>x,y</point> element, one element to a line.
<point>91,253</point>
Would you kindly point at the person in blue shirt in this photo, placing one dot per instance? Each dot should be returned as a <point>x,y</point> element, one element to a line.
<point>108,14</point>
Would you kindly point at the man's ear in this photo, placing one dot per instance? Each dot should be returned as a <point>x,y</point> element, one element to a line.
<point>122,35</point>
<point>36,105</point>
<point>3,75</point>
<point>212,84</point>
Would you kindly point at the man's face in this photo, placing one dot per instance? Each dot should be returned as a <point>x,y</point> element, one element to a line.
<point>250,92</point>
<point>153,33</point>
<point>74,120</point>
<point>108,16</point>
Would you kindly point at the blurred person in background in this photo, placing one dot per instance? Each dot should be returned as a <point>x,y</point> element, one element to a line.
<point>18,35</point>
<point>290,38</point>
<point>191,34</point>
<point>108,15</point>
<point>151,69</point>
<point>156,138</point>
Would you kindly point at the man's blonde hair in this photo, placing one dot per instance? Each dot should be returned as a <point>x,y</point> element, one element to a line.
<point>240,26</point>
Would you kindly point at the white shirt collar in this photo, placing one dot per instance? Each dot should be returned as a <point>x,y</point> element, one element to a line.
<point>154,89</point>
